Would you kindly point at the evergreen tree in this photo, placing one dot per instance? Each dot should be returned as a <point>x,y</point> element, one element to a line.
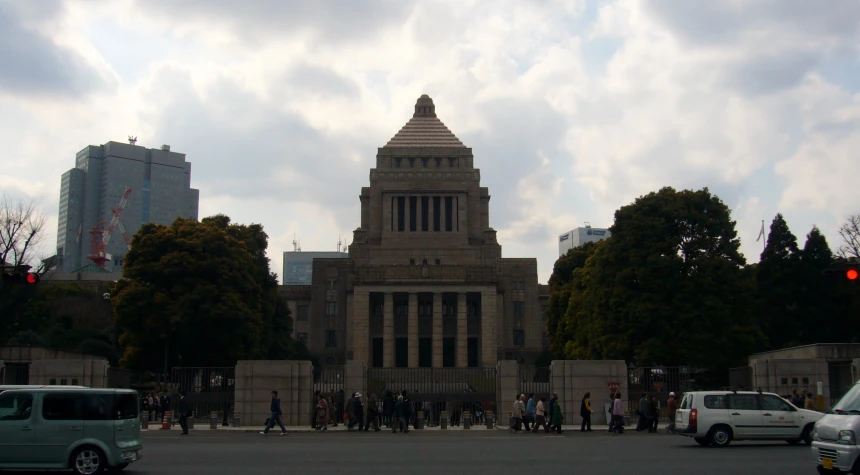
<point>779,286</point>
<point>560,288</point>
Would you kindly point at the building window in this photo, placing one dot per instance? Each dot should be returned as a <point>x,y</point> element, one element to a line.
<point>519,309</point>
<point>302,337</point>
<point>449,209</point>
<point>302,313</point>
<point>401,213</point>
<point>424,162</point>
<point>411,262</point>
<point>331,308</point>
<point>784,381</point>
<point>544,340</point>
<point>437,213</point>
<point>519,338</point>
<point>425,213</point>
<point>332,283</point>
<point>438,262</point>
<point>331,339</point>
<point>438,163</point>
<point>424,262</point>
<point>805,381</point>
<point>397,163</point>
<point>411,163</point>
<point>413,213</point>
<point>452,162</point>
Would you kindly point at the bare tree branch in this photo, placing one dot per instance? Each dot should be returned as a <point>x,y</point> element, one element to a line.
<point>850,233</point>
<point>22,229</point>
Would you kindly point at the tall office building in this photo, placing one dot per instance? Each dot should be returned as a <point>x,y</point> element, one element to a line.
<point>160,181</point>
<point>580,236</point>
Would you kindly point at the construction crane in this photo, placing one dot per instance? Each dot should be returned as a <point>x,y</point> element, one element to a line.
<point>99,236</point>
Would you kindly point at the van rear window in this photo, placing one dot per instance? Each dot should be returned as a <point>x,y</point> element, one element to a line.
<point>126,406</point>
<point>715,402</point>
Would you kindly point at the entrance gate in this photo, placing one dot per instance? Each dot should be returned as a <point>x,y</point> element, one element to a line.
<point>206,390</point>
<point>434,390</point>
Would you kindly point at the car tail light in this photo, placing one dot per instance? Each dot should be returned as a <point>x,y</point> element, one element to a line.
<point>694,416</point>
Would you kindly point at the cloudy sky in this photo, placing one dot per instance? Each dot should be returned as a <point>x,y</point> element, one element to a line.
<point>572,108</point>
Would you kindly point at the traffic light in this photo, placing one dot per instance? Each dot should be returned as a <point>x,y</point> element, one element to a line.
<point>846,273</point>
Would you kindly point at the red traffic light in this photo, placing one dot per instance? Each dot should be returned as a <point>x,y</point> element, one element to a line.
<point>34,278</point>
<point>851,274</point>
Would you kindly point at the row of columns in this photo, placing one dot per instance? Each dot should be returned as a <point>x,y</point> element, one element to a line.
<point>361,329</point>
<point>431,213</point>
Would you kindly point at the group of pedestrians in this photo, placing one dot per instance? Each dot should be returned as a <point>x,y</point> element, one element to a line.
<point>532,414</point>
<point>393,410</point>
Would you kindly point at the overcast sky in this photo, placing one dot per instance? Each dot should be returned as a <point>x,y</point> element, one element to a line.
<point>572,108</point>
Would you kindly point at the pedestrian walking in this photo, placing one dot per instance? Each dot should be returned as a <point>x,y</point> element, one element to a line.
<point>642,412</point>
<point>322,413</point>
<point>653,414</point>
<point>540,416</point>
<point>530,413</point>
<point>557,416</point>
<point>184,412</point>
<point>372,414</point>
<point>672,409</point>
<point>585,411</point>
<point>617,424</point>
<point>275,409</point>
<point>402,413</point>
<point>518,411</point>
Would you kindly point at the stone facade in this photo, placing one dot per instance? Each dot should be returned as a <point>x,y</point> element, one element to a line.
<point>425,284</point>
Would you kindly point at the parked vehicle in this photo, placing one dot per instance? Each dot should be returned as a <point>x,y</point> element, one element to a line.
<point>719,417</point>
<point>834,439</point>
<point>86,430</point>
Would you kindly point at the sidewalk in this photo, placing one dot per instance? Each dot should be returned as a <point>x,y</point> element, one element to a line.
<point>342,428</point>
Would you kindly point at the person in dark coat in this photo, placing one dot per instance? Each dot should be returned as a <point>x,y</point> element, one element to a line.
<point>585,411</point>
<point>388,409</point>
<point>184,412</point>
<point>402,413</point>
<point>275,409</point>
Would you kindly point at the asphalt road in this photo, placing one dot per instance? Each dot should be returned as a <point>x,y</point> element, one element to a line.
<point>473,453</point>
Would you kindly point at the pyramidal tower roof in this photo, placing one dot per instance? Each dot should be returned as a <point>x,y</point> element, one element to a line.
<point>424,129</point>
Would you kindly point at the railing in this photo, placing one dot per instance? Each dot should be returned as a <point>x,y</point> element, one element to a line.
<point>329,381</point>
<point>206,390</point>
<point>657,381</point>
<point>16,373</point>
<point>534,380</point>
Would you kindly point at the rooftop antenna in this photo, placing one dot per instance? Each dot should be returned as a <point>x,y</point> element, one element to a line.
<point>132,139</point>
<point>295,244</point>
<point>587,224</point>
<point>339,243</point>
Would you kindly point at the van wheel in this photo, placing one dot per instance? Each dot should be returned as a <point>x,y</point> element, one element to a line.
<point>88,461</point>
<point>721,436</point>
<point>702,441</point>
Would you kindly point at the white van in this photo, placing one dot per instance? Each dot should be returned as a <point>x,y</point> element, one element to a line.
<point>719,417</point>
<point>834,439</point>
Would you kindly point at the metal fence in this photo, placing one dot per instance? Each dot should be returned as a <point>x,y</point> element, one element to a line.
<point>740,378</point>
<point>657,381</point>
<point>206,390</point>
<point>329,380</point>
<point>535,380</point>
<point>434,390</point>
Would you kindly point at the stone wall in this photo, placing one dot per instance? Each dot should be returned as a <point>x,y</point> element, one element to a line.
<point>82,372</point>
<point>779,376</point>
<point>571,379</point>
<point>255,381</point>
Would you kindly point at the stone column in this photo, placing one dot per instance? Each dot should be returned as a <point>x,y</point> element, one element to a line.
<point>388,331</point>
<point>489,325</point>
<point>437,330</point>
<point>361,326</point>
<point>412,332</point>
<point>462,342</point>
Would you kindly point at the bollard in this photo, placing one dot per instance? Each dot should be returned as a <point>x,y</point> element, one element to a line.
<point>419,420</point>
<point>190,421</point>
<point>467,420</point>
<point>237,419</point>
<point>491,419</point>
<point>443,420</point>
<point>144,420</point>
<point>213,420</point>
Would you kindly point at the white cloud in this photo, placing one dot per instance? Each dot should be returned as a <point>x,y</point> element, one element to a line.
<point>280,106</point>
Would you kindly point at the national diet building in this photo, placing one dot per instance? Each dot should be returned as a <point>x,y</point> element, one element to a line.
<point>425,283</point>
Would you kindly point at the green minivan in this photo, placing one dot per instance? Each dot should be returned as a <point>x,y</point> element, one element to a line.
<point>90,431</point>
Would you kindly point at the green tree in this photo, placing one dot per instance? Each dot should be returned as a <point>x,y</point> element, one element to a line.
<point>779,285</point>
<point>277,325</point>
<point>189,296</point>
<point>560,286</point>
<point>668,287</point>
<point>819,301</point>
